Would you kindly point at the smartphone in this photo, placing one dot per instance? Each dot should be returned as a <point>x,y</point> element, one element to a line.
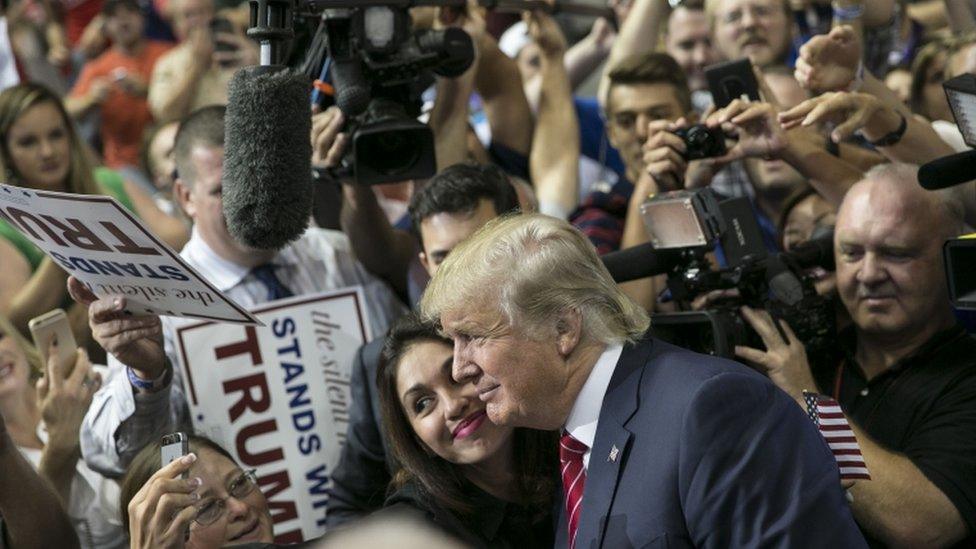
<point>732,80</point>
<point>172,447</point>
<point>221,25</point>
<point>51,325</point>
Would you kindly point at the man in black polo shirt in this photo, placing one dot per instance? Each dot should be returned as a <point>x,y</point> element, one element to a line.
<point>906,371</point>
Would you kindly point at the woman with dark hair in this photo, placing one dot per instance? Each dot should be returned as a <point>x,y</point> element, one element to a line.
<point>807,215</point>
<point>488,485</point>
<point>218,504</point>
<point>40,149</point>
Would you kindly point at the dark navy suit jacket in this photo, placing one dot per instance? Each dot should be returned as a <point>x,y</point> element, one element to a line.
<point>695,451</point>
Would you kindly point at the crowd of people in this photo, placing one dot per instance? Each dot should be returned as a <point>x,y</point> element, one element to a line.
<point>514,394</point>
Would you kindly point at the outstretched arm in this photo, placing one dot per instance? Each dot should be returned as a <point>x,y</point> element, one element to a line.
<point>554,160</point>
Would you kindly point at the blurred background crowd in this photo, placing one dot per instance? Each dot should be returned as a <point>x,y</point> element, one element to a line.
<point>591,120</point>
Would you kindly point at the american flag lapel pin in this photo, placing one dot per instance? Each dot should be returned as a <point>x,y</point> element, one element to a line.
<point>613,453</point>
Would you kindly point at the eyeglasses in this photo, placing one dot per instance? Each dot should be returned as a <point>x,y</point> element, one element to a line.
<point>212,509</point>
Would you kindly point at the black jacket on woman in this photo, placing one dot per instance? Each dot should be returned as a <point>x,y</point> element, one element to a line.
<point>494,523</point>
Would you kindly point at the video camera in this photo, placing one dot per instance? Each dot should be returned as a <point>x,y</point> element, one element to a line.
<point>688,226</point>
<point>380,67</point>
<point>375,66</point>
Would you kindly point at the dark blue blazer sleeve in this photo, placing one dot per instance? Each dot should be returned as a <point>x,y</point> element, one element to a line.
<point>360,480</point>
<point>755,472</point>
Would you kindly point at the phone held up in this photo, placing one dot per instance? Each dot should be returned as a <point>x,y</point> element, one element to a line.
<point>732,80</point>
<point>54,326</point>
<point>172,447</point>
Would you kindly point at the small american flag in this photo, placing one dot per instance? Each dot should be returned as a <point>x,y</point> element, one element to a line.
<point>833,426</point>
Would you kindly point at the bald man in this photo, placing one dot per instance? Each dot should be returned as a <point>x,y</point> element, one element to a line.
<point>905,373</point>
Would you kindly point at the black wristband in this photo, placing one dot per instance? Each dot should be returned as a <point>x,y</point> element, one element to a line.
<point>894,137</point>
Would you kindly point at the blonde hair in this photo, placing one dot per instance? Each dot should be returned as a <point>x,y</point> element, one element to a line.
<point>535,267</point>
<point>33,357</point>
<point>17,100</point>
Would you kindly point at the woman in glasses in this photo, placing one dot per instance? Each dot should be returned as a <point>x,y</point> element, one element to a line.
<point>216,505</point>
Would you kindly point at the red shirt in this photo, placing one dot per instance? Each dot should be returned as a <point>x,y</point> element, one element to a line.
<point>77,15</point>
<point>124,117</point>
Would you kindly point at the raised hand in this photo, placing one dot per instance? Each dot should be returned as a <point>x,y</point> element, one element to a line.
<point>136,341</point>
<point>829,62</point>
<point>161,511</point>
<point>545,32</point>
<point>756,126</point>
<point>243,51</point>
<point>65,397</point>
<point>850,111</point>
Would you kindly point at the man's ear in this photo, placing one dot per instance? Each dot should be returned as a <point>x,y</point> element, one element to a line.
<point>423,261</point>
<point>569,331</point>
<point>181,193</point>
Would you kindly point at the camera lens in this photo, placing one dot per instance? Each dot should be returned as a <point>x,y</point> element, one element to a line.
<point>392,151</point>
<point>700,138</point>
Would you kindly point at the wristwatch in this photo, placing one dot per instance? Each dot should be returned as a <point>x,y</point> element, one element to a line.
<point>894,137</point>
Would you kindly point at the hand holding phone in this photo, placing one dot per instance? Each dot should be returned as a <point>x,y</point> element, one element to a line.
<point>221,25</point>
<point>161,512</point>
<point>172,447</point>
<point>54,326</point>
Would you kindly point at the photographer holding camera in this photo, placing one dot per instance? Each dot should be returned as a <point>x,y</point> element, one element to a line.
<point>676,153</point>
<point>196,72</point>
<point>905,373</point>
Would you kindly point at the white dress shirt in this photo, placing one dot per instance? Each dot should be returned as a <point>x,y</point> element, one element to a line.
<point>585,414</point>
<point>119,423</point>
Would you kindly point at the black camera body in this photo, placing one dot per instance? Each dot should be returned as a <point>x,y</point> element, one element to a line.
<point>702,142</point>
<point>720,328</point>
<point>380,67</point>
<point>771,281</point>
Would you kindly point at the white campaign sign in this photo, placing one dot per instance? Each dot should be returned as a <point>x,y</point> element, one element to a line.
<point>98,241</point>
<point>277,396</point>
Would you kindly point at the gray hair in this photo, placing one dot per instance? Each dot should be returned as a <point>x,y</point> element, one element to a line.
<point>535,267</point>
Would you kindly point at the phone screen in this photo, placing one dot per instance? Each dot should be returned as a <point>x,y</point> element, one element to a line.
<point>732,80</point>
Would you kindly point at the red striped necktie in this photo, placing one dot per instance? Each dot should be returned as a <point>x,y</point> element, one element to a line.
<point>571,453</point>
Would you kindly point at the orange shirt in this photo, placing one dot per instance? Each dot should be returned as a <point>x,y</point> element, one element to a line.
<point>124,117</point>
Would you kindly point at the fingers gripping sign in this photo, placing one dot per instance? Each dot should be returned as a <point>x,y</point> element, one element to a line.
<point>135,340</point>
